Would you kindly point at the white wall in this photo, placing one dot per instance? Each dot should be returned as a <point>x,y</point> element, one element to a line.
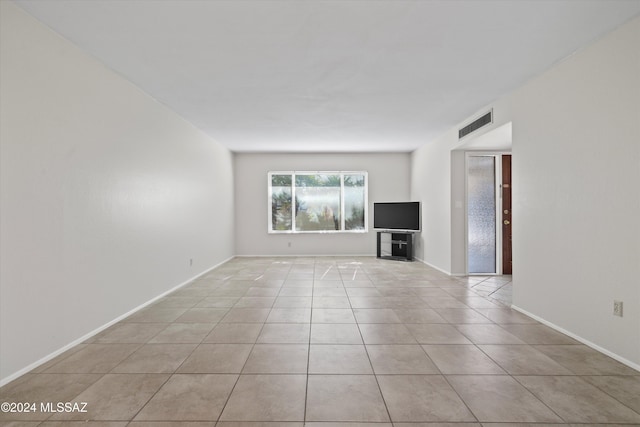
<point>576,168</point>
<point>576,197</point>
<point>431,183</point>
<point>105,195</point>
<point>458,213</point>
<point>388,181</point>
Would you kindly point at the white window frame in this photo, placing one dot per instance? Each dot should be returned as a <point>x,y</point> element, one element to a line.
<point>293,205</point>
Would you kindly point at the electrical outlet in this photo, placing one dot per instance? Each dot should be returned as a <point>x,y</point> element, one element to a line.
<point>617,308</point>
<point>190,262</point>
<point>289,244</point>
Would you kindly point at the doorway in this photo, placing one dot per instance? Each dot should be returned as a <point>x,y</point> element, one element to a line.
<point>489,214</point>
<point>507,257</point>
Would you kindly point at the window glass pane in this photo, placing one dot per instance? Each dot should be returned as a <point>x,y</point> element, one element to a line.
<point>482,214</point>
<point>354,199</point>
<point>281,202</point>
<point>317,202</point>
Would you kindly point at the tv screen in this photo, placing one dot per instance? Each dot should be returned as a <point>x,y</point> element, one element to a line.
<point>397,216</point>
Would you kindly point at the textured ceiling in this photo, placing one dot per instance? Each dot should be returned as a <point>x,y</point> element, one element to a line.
<point>338,76</point>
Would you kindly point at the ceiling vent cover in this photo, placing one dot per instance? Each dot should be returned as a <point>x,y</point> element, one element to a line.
<point>476,124</point>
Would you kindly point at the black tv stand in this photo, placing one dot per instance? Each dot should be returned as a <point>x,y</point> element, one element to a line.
<point>401,245</point>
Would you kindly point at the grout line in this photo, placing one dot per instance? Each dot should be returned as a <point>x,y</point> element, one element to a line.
<point>379,283</point>
<point>366,350</point>
<point>247,359</point>
<point>306,386</point>
<point>538,398</point>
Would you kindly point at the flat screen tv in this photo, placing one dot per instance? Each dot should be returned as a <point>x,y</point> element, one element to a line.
<point>397,216</point>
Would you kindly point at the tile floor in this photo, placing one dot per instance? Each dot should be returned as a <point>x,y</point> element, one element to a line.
<point>328,341</point>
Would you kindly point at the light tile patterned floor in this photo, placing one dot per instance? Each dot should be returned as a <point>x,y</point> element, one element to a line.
<point>328,341</point>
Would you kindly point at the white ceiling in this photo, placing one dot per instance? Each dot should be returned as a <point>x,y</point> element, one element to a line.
<point>338,76</point>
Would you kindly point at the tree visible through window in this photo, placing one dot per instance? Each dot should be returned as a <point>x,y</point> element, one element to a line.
<point>319,201</point>
<point>280,202</point>
<point>354,201</point>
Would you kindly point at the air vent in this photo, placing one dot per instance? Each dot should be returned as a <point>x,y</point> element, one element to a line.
<point>475,125</point>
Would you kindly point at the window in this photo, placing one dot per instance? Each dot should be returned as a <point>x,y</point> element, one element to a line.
<point>317,202</point>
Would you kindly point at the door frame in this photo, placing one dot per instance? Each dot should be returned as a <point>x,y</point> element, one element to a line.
<point>497,155</point>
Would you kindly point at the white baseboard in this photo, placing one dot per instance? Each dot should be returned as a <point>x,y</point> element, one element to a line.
<point>436,267</point>
<point>580,339</point>
<point>306,256</point>
<point>85,337</point>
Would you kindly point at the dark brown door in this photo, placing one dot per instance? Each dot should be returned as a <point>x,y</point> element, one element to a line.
<point>506,215</point>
